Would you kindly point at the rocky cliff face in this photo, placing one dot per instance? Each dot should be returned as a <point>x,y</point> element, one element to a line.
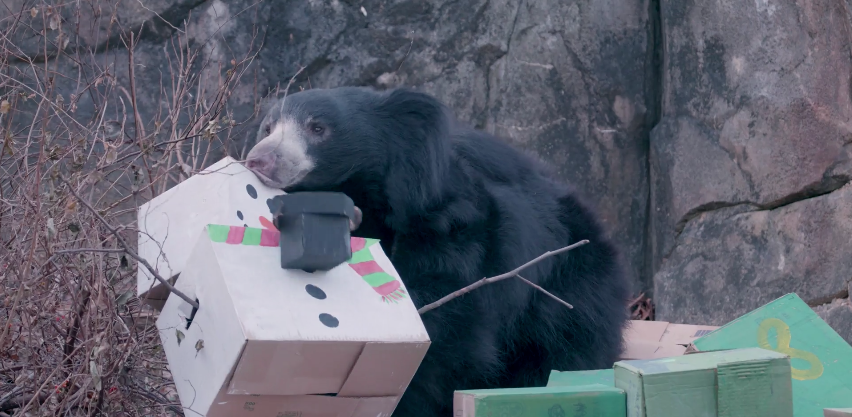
<point>713,139</point>
<point>751,159</point>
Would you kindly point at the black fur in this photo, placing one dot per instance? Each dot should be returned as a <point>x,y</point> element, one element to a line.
<point>452,205</point>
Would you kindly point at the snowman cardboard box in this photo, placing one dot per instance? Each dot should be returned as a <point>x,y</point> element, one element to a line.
<point>268,341</point>
<point>225,193</point>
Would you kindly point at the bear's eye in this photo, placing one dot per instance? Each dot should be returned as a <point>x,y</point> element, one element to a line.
<point>317,128</point>
<point>268,129</point>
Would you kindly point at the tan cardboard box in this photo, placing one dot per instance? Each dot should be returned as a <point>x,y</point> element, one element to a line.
<point>660,339</point>
<point>169,225</point>
<point>267,341</point>
<point>837,412</point>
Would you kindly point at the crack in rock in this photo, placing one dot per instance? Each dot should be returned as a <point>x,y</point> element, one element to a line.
<point>827,186</point>
<point>829,299</point>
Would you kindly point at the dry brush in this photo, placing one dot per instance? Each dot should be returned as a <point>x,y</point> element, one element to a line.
<point>75,132</point>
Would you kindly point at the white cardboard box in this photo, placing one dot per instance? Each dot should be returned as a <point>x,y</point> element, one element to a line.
<point>275,340</point>
<point>169,225</point>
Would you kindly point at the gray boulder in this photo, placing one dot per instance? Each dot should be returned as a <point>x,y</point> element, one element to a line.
<point>749,158</point>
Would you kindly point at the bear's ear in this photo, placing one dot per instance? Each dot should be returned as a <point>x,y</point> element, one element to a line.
<point>418,130</point>
<point>419,109</point>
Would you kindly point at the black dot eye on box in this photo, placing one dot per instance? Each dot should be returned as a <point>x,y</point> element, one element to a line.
<point>329,320</point>
<point>315,292</point>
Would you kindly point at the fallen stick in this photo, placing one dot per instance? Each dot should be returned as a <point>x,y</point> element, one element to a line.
<point>129,251</point>
<point>510,274</point>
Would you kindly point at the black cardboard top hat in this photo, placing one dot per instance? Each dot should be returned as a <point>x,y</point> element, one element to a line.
<point>314,229</point>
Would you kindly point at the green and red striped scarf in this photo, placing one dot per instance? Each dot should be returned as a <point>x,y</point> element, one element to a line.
<point>362,261</point>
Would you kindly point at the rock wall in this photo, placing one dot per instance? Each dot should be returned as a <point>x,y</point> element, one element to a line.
<point>750,162</point>
<point>713,138</point>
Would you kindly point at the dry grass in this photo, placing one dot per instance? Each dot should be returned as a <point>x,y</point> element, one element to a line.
<point>75,340</point>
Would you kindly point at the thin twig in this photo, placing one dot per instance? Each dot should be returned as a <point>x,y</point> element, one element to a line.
<point>510,274</point>
<point>530,283</point>
<point>406,54</point>
<point>86,250</point>
<point>81,250</point>
<point>161,17</point>
<point>130,252</point>
<point>37,394</point>
<point>641,308</point>
<point>292,79</point>
<point>11,394</point>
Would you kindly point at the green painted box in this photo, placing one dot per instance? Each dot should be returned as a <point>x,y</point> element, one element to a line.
<point>594,400</point>
<point>732,383</point>
<point>573,378</point>
<point>820,358</point>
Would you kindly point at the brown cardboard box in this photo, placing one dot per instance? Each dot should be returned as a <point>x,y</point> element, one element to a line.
<point>271,342</point>
<point>659,339</point>
<point>837,412</point>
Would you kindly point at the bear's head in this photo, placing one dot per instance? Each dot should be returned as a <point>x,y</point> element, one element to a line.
<point>390,147</point>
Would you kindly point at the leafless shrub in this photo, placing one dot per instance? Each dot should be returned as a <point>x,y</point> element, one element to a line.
<point>641,308</point>
<point>75,340</point>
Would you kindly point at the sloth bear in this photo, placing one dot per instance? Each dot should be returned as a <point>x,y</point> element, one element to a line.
<point>453,205</point>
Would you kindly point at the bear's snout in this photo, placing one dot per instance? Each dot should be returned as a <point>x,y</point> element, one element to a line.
<point>262,164</point>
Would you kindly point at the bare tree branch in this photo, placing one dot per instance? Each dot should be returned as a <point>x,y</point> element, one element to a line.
<point>75,339</point>
<point>530,283</point>
<point>510,274</point>
<point>129,251</point>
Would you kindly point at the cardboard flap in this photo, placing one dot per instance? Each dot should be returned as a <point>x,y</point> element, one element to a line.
<point>282,405</point>
<point>384,369</point>
<point>656,339</point>
<point>647,331</point>
<point>665,332</point>
<point>293,368</point>
<point>684,334</point>
<point>650,350</point>
<point>375,407</point>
